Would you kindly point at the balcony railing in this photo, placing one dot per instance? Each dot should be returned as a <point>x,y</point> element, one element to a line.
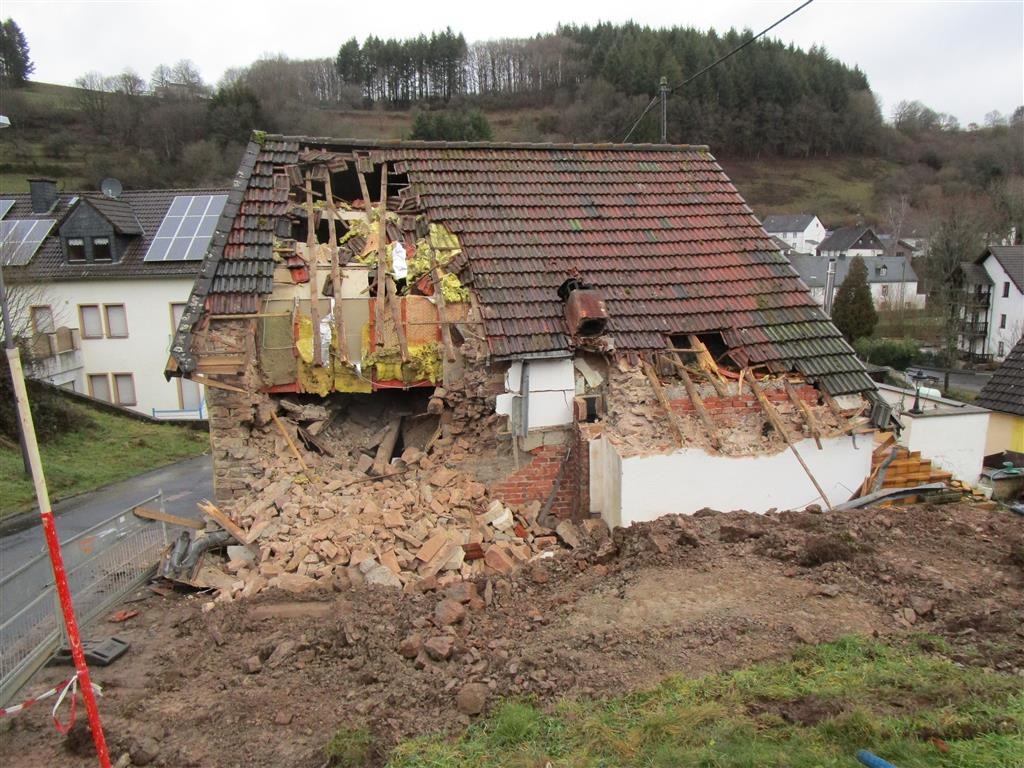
<point>45,345</point>
<point>973,301</point>
<point>974,328</point>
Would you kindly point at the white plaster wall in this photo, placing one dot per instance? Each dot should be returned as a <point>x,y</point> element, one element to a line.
<point>911,298</point>
<point>144,352</point>
<point>552,389</point>
<point>690,479</point>
<point>811,237</point>
<point>953,441</point>
<point>1012,306</point>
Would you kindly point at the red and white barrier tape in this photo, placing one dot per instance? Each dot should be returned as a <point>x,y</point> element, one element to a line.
<point>61,691</point>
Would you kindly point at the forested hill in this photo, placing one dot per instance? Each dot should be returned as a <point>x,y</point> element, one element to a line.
<point>772,98</point>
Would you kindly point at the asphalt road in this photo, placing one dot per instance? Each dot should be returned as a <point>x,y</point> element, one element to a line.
<point>183,484</point>
<point>969,381</point>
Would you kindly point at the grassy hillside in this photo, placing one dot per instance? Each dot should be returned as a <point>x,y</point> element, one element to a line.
<point>107,449</point>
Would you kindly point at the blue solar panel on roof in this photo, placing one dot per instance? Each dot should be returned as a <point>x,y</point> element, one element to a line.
<point>187,227</point>
<point>5,206</point>
<point>21,238</point>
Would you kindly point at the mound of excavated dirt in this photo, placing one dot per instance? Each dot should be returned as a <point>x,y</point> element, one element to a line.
<point>266,682</point>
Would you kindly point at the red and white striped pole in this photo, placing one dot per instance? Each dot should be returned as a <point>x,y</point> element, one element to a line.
<point>50,531</point>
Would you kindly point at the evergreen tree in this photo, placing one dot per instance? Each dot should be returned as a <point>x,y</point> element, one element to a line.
<point>15,63</point>
<point>853,311</point>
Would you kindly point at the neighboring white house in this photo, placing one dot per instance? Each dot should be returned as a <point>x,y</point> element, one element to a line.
<point>803,232</point>
<point>892,280</point>
<point>847,242</point>
<point>105,281</point>
<point>992,303</point>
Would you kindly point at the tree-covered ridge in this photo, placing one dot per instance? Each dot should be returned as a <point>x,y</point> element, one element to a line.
<point>772,98</point>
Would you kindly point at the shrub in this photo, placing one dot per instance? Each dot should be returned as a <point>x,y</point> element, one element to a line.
<point>896,353</point>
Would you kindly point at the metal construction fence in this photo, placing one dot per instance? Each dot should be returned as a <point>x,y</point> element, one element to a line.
<point>103,563</point>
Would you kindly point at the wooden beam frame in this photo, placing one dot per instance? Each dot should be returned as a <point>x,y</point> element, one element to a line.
<point>336,273</point>
<point>659,393</point>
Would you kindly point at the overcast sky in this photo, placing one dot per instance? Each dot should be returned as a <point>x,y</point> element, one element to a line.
<point>964,57</point>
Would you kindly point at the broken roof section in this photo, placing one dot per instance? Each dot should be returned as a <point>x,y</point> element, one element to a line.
<point>660,231</point>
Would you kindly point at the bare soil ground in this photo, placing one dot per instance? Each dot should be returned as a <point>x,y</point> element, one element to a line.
<point>681,595</point>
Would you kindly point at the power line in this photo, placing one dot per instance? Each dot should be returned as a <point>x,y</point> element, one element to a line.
<point>715,63</point>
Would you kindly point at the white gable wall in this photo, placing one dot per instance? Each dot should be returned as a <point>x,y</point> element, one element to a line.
<point>1012,306</point>
<point>143,353</point>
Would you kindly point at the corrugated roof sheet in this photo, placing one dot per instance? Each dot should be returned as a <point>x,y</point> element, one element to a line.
<point>1005,390</point>
<point>660,230</point>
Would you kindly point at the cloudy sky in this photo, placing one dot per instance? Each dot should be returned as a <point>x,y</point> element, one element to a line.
<point>963,57</point>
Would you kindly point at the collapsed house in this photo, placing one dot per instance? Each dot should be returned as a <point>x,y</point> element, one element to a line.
<point>512,333</point>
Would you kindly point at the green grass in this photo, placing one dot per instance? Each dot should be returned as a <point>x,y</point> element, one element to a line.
<point>109,449</point>
<point>909,704</point>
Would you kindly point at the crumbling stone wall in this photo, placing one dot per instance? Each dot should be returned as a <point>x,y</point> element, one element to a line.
<point>231,414</point>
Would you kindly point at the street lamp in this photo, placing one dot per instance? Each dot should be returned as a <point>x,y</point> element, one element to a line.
<point>918,377</point>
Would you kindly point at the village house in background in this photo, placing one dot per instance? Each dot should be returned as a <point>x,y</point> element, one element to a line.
<point>803,232</point>
<point>99,283</point>
<point>992,303</point>
<point>892,279</point>
<point>847,242</point>
<point>1003,394</point>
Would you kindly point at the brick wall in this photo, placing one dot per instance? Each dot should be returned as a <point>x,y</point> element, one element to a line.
<point>746,403</point>
<point>536,479</point>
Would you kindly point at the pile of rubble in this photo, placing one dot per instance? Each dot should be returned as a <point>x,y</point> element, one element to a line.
<point>332,516</point>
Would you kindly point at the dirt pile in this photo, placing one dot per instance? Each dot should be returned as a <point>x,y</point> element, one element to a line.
<point>266,682</point>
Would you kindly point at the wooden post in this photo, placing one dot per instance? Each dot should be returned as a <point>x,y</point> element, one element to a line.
<point>659,393</point>
<point>439,304</point>
<point>396,315</point>
<point>314,278</point>
<point>812,423</point>
<point>776,421</point>
<point>366,198</point>
<point>387,447</point>
<point>382,253</point>
<point>708,365</point>
<point>698,404</point>
<point>336,276</point>
<point>295,450</point>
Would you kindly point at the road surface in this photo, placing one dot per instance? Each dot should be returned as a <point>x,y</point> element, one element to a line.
<point>183,484</point>
<point>968,381</point>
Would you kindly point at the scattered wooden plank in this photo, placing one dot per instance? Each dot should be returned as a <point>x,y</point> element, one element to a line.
<point>336,274</point>
<point>708,365</point>
<point>387,447</point>
<point>776,421</point>
<point>208,382</point>
<point>167,517</point>
<point>310,441</point>
<point>812,423</point>
<point>295,450</point>
<point>213,512</point>
<point>698,404</point>
<point>659,393</point>
<point>314,277</point>
<point>367,214</point>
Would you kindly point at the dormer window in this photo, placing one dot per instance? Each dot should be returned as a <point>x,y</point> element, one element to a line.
<point>76,250</point>
<point>101,249</point>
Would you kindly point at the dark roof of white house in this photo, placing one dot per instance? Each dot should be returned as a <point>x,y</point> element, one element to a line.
<point>843,238</point>
<point>136,213</point>
<point>881,269</point>
<point>1011,257</point>
<point>785,222</point>
<point>1005,390</point>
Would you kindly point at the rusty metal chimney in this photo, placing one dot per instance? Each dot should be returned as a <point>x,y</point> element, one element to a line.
<point>585,311</point>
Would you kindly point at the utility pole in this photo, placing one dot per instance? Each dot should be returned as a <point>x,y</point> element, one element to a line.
<point>663,90</point>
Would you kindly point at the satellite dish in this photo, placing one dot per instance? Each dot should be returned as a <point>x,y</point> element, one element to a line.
<point>111,188</point>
